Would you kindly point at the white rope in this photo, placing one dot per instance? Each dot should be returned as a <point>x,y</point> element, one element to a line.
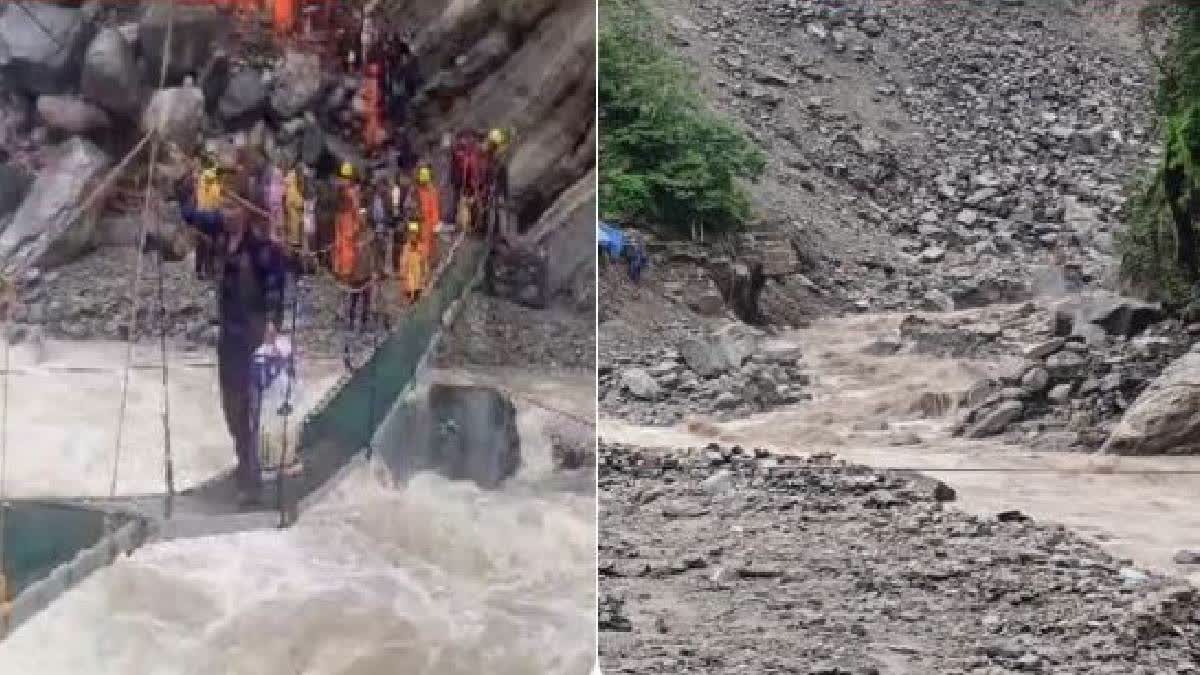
<point>137,271</point>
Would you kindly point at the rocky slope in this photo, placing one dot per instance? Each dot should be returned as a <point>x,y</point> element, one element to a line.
<point>935,159</point>
<point>938,161</point>
<point>68,114</point>
<point>729,560</point>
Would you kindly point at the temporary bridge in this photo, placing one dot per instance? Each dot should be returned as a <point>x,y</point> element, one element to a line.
<point>52,544</point>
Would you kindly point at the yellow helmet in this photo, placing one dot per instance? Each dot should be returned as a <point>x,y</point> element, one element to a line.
<point>496,137</point>
<point>347,170</point>
<point>424,175</point>
<point>414,226</point>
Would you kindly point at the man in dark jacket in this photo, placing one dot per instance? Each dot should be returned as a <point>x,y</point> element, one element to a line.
<point>251,274</point>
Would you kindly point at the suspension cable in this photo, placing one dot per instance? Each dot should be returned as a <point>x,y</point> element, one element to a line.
<point>10,301</point>
<point>135,284</point>
<point>41,26</point>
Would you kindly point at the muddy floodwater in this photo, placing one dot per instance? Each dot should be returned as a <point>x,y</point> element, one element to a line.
<point>433,576</point>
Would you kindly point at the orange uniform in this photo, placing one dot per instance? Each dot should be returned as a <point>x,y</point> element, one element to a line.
<point>372,97</point>
<point>430,205</point>
<point>285,16</point>
<point>345,235</point>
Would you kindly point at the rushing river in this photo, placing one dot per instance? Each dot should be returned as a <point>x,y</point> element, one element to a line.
<point>430,577</point>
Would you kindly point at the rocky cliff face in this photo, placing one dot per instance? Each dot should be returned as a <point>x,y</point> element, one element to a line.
<point>529,66</point>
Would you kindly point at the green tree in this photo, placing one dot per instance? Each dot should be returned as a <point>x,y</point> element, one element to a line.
<point>664,157</point>
<point>1159,245</point>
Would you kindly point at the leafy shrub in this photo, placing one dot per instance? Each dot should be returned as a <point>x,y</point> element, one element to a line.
<point>664,157</point>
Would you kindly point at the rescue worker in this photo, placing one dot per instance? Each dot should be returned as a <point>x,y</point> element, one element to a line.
<point>372,100</point>
<point>285,17</point>
<point>466,176</point>
<point>429,208</point>
<point>327,195</point>
<point>293,211</point>
<point>361,276</point>
<point>381,224</point>
<point>397,194</point>
<point>414,265</point>
<point>493,179</point>
<point>250,310</point>
<point>200,209</point>
<point>347,225</point>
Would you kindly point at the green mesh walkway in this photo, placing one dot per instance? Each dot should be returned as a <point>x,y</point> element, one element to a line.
<point>53,544</point>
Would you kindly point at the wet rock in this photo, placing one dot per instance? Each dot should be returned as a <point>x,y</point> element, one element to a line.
<point>29,59</point>
<point>176,114</point>
<point>245,97</point>
<point>47,229</point>
<point>1060,393</point>
<point>110,74</point>
<point>1165,418</point>
<point>298,83</point>
<point>640,384</point>
<point>197,28</point>
<point>14,185</point>
<point>718,483</point>
<point>996,420</point>
<point>1035,381</point>
<point>1187,557</point>
<point>703,357</point>
<point>71,115</point>
<point>709,303</point>
<point>1126,318</point>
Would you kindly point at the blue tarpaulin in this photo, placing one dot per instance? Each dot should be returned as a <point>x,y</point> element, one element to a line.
<point>610,239</point>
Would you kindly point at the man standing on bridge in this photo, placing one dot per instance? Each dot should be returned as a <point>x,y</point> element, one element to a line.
<point>249,309</point>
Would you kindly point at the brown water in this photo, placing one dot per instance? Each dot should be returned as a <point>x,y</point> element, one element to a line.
<point>434,577</point>
<point>863,405</point>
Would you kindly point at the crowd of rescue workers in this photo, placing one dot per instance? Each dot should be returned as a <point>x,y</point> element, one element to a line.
<point>259,221</point>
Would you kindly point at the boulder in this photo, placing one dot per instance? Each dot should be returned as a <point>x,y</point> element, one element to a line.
<point>110,74</point>
<point>197,29</point>
<point>640,384</point>
<point>1125,318</point>
<point>71,114</point>
<point>298,83</point>
<point>995,420</point>
<point>244,98</point>
<point>703,357</point>
<point>47,230</point>
<point>708,302</point>
<point>177,114</point>
<point>29,59</point>
<point>1165,418</point>
<point>736,343</point>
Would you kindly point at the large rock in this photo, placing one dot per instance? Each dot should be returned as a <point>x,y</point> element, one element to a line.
<point>298,83</point>
<point>703,357</point>
<point>71,114</point>
<point>244,98</point>
<point>640,384</point>
<point>177,114</point>
<point>29,58</point>
<point>47,229</point>
<point>994,421</point>
<point>1125,318</point>
<point>110,73</point>
<point>737,342</point>
<point>1166,417</point>
<point>197,29</point>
